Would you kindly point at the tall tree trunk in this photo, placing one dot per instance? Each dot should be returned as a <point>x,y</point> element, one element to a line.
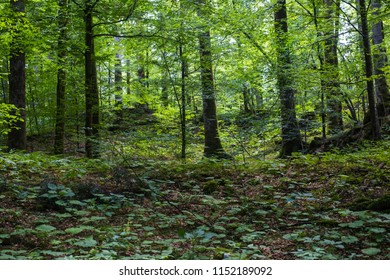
<point>320,54</point>
<point>380,61</point>
<point>17,80</point>
<point>128,77</point>
<point>61,77</point>
<point>118,92</point>
<point>184,73</point>
<point>291,137</point>
<point>374,120</point>
<point>331,64</point>
<point>91,87</point>
<point>212,142</point>
<point>4,80</point>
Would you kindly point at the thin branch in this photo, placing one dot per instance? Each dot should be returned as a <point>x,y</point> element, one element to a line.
<point>303,7</point>
<point>349,4</point>
<point>126,18</point>
<point>260,48</point>
<point>94,4</point>
<point>77,4</point>
<point>139,35</point>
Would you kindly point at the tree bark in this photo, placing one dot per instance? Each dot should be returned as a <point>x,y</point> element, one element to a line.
<point>331,64</point>
<point>380,61</point>
<point>91,87</point>
<point>374,120</point>
<point>118,92</point>
<point>61,77</point>
<point>291,137</point>
<point>17,80</point>
<point>212,142</point>
<point>184,74</point>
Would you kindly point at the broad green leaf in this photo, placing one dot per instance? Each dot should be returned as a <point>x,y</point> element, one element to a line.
<point>76,230</point>
<point>86,242</point>
<point>377,230</point>
<point>371,251</point>
<point>45,228</point>
<point>349,239</point>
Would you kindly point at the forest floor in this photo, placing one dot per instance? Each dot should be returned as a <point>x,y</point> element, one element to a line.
<point>303,208</point>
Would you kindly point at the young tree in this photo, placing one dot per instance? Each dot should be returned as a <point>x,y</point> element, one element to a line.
<point>61,76</point>
<point>212,142</point>
<point>17,78</point>
<point>291,137</point>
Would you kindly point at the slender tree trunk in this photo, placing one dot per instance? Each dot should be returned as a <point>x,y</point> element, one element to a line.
<point>184,72</point>
<point>331,65</point>
<point>212,142</point>
<point>246,97</point>
<point>118,92</point>
<point>17,81</point>
<point>91,87</point>
<point>128,77</point>
<point>321,59</point>
<point>380,61</point>
<point>374,120</point>
<point>291,137</point>
<point>61,77</point>
<point>4,81</point>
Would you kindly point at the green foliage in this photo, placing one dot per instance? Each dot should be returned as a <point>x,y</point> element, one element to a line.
<point>204,210</point>
<point>138,201</point>
<point>9,116</point>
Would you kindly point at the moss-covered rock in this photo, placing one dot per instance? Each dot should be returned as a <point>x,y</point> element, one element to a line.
<point>380,204</point>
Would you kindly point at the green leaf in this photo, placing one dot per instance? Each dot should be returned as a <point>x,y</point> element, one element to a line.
<point>52,253</point>
<point>355,224</point>
<point>377,230</point>
<point>291,236</point>
<point>371,251</point>
<point>86,242</point>
<point>181,232</point>
<point>74,230</point>
<point>148,228</point>
<point>45,228</point>
<point>349,239</point>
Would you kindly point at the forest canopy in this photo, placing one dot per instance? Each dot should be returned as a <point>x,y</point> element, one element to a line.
<point>258,76</point>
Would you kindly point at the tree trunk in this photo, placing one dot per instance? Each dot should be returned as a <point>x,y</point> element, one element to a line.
<point>332,86</point>
<point>17,81</point>
<point>118,92</point>
<point>291,138</point>
<point>380,61</point>
<point>128,77</point>
<point>212,142</point>
<point>91,87</point>
<point>374,120</point>
<point>184,73</point>
<point>61,77</point>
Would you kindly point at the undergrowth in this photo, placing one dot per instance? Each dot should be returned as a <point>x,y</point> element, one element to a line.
<point>120,207</point>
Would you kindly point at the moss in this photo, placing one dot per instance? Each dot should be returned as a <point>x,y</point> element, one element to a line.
<point>379,204</point>
<point>210,187</point>
<point>327,223</point>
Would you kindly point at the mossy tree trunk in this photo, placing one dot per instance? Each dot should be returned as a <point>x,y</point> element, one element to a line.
<point>91,86</point>
<point>61,77</point>
<point>331,65</point>
<point>291,137</point>
<point>17,79</point>
<point>374,120</point>
<point>380,60</point>
<point>212,142</point>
